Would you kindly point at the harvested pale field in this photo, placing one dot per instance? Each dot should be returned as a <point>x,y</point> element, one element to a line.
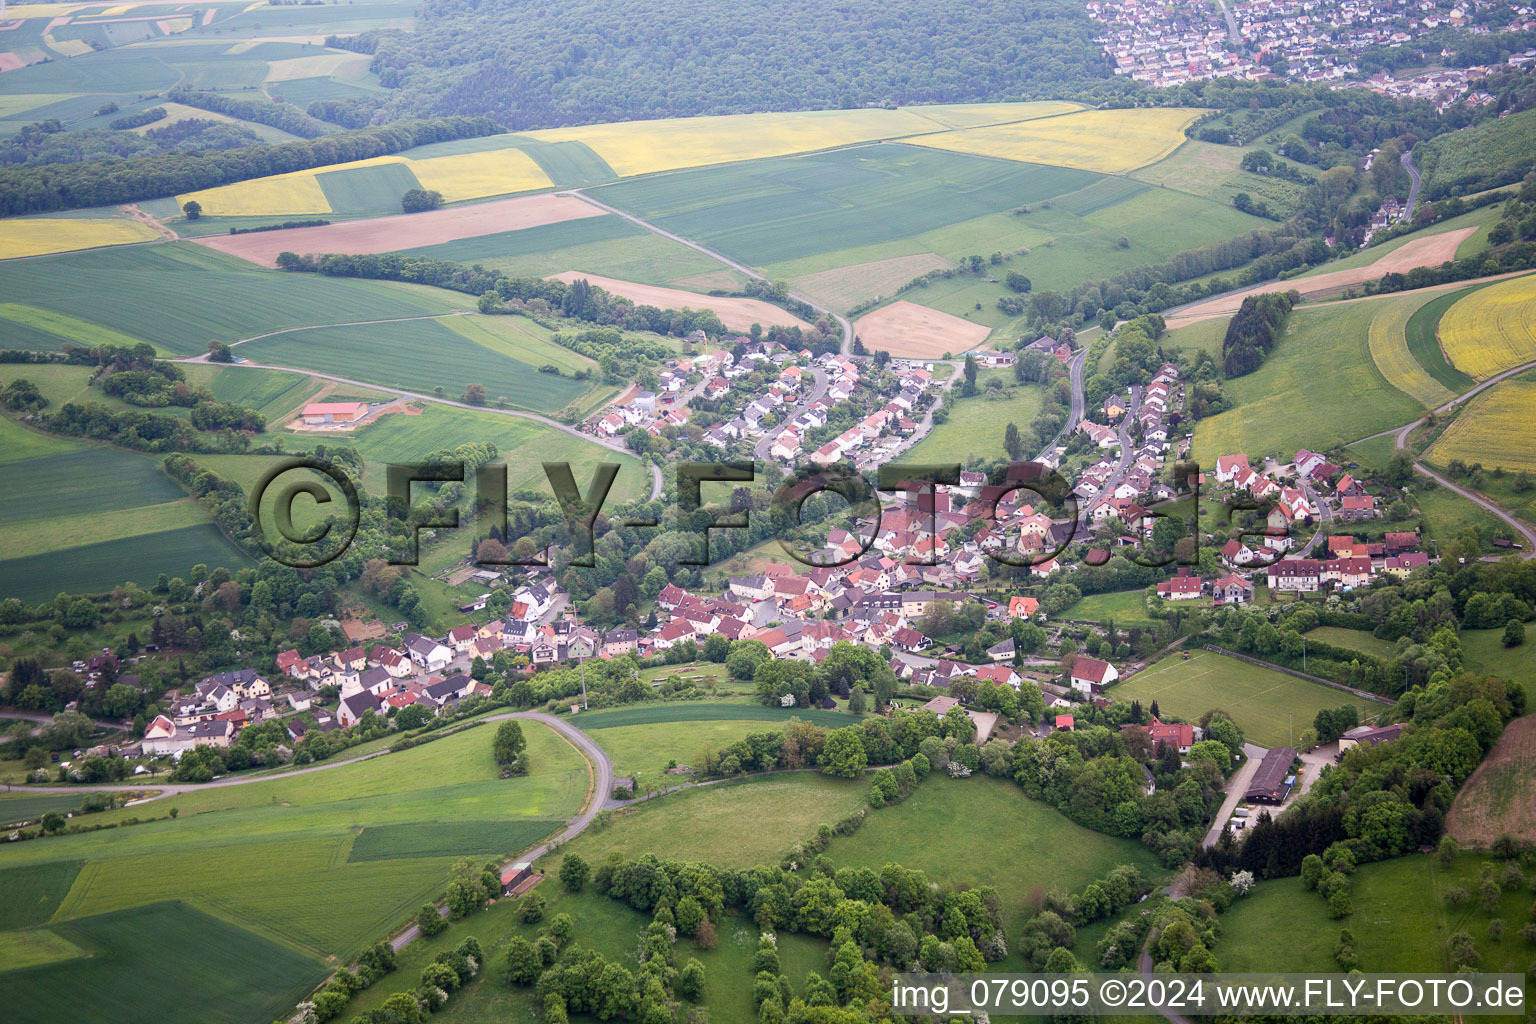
<point>37,237</point>
<point>1498,430</point>
<point>1500,797</point>
<point>643,147</point>
<point>735,314</point>
<point>1109,141</point>
<point>845,287</point>
<point>1493,329</point>
<point>405,230</point>
<point>175,112</point>
<point>11,62</point>
<point>319,66</point>
<point>458,177</point>
<point>1430,251</point>
<point>1387,339</point>
<point>907,329</point>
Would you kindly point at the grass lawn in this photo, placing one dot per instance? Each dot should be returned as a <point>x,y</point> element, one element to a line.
<point>965,830</point>
<point>1264,417</point>
<point>645,750</point>
<point>1400,922</point>
<point>695,711</point>
<point>1354,639</point>
<point>1484,652</point>
<point>737,825</point>
<point>1127,608</point>
<point>975,428</point>
<point>1259,700</point>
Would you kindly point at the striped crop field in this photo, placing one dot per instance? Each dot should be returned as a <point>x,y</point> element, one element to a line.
<point>40,236</point>
<point>1387,339</point>
<point>458,177</point>
<point>1498,429</point>
<point>1108,141</point>
<point>1493,329</point>
<point>643,147</point>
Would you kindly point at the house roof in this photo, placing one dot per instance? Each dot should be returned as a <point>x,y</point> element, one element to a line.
<point>1091,669</point>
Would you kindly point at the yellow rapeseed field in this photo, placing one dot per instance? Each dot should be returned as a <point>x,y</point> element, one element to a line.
<point>295,192</point>
<point>474,175</point>
<point>642,147</point>
<point>1497,429</point>
<point>1387,339</point>
<point>458,177</point>
<point>1493,329</point>
<point>37,237</point>
<point>974,115</point>
<point>1109,141</point>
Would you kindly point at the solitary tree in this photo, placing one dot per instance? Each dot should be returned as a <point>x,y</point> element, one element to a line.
<point>508,747</point>
<point>418,199</point>
<point>192,208</point>
<point>574,872</point>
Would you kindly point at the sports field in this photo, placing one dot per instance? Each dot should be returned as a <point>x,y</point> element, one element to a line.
<point>1259,700</point>
<point>1493,329</point>
<point>28,237</point>
<point>735,314</point>
<point>1109,141</point>
<point>1266,403</point>
<point>906,329</point>
<point>1498,429</point>
<point>644,147</point>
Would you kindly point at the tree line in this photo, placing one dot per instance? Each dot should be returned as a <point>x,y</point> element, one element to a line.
<point>110,181</point>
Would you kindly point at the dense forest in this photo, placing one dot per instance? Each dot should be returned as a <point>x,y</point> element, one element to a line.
<point>530,65</point>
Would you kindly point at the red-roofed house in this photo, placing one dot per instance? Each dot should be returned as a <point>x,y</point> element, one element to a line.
<point>1020,605</point>
<point>1090,675</point>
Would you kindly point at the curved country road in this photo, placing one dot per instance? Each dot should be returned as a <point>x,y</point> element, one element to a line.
<point>597,795</point>
<point>740,268</point>
<point>602,785</point>
<point>1400,442</point>
<point>419,396</point>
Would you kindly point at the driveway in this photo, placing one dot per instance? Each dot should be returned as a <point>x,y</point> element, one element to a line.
<point>1237,785</point>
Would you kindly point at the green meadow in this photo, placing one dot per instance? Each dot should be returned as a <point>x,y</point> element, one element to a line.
<point>181,296</point>
<point>1260,700</point>
<point>422,355</point>
<point>284,869</point>
<point>1267,417</point>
